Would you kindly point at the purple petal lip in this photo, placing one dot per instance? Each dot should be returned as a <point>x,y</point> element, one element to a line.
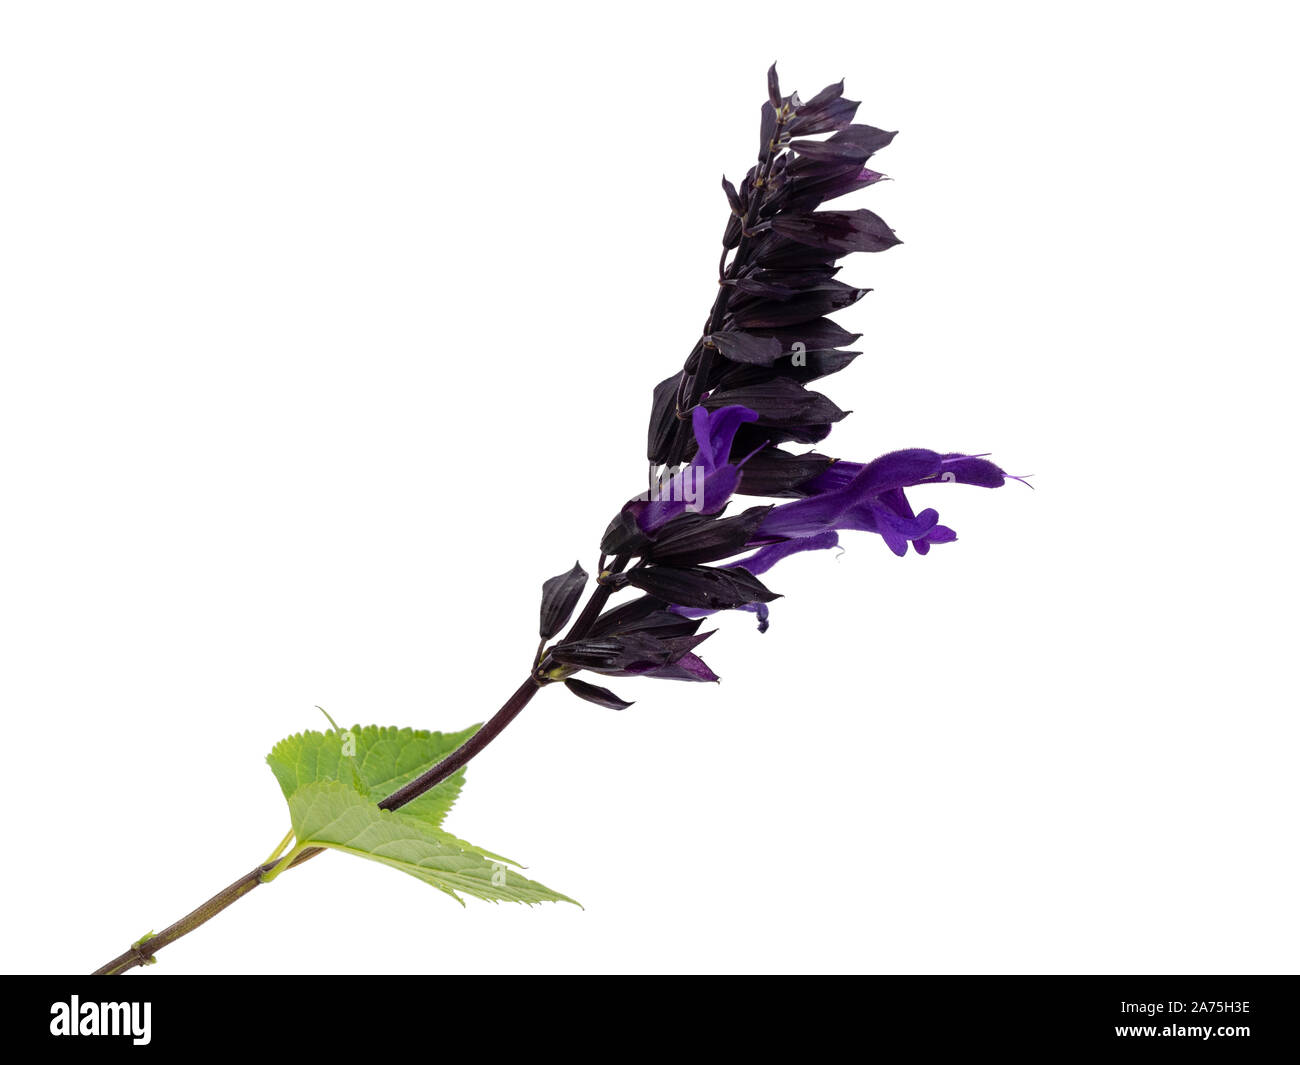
<point>765,558</point>
<point>870,498</point>
<point>710,480</point>
<point>866,497</point>
<point>759,609</point>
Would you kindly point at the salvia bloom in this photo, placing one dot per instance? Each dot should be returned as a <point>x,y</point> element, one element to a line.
<point>722,425</point>
<point>733,421</point>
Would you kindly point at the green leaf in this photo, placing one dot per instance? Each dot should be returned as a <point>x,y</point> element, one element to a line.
<point>332,798</point>
<point>383,761</point>
<point>332,814</point>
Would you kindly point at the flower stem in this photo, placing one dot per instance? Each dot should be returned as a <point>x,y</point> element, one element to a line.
<point>597,601</point>
<point>509,711</point>
<point>142,952</point>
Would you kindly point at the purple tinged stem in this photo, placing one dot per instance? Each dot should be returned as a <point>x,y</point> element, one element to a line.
<point>142,952</point>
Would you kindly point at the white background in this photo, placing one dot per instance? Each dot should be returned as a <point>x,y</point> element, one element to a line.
<point>329,332</point>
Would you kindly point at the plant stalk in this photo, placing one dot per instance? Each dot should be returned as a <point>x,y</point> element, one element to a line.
<point>142,952</point>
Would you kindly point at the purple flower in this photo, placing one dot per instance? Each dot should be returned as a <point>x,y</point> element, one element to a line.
<point>765,558</point>
<point>745,384</point>
<point>871,498</point>
<point>708,482</point>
